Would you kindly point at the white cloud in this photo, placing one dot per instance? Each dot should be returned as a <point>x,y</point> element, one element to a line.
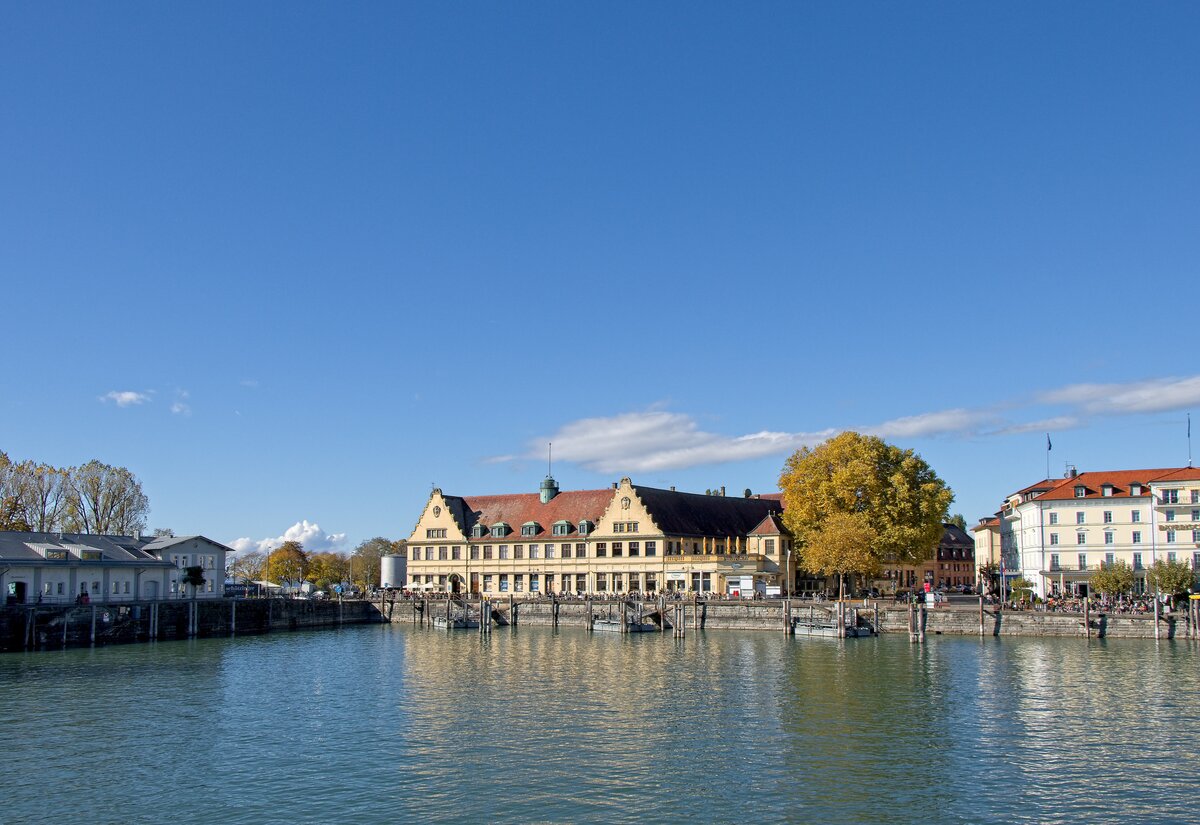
<point>125,398</point>
<point>1045,425</point>
<point>308,533</point>
<point>944,422</point>
<point>1153,395</point>
<point>180,405</point>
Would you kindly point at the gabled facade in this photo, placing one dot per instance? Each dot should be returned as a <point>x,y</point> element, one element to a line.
<point>67,567</point>
<point>1059,531</point>
<point>625,539</point>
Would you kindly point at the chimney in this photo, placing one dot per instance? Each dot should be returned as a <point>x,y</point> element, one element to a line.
<point>672,488</point>
<point>614,485</point>
<point>722,489</point>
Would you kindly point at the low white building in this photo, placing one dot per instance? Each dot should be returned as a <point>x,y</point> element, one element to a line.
<point>69,567</point>
<point>1059,531</point>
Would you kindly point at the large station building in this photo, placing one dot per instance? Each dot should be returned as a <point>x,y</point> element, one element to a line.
<point>623,539</point>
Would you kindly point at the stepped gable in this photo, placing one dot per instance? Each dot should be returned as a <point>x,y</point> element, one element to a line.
<point>694,514</point>
<point>518,508</point>
<point>1093,483</point>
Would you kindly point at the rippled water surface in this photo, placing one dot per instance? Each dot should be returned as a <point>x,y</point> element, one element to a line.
<point>403,723</point>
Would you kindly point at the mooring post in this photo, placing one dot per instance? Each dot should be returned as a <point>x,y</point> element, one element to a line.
<point>923,620</point>
<point>93,637</point>
<point>66,617</point>
<point>912,630</point>
<point>1087,617</point>
<point>981,615</point>
<point>233,617</point>
<point>1156,616</point>
<point>876,617</point>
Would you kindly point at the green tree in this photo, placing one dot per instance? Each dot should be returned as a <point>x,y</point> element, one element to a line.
<point>326,569</point>
<point>1170,577</point>
<point>105,499</point>
<point>899,502</point>
<point>958,520</point>
<point>1113,579</point>
<point>1021,588</point>
<point>193,577</point>
<point>287,563</point>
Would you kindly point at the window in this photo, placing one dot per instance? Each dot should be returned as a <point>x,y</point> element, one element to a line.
<point>1135,516</point>
<point>618,527</point>
<point>1079,517</point>
<point>1137,561</point>
<point>1170,537</point>
<point>1135,489</point>
<point>60,588</point>
<point>601,551</point>
<point>585,527</point>
<point>769,544</point>
<point>416,554</point>
<point>1108,516</point>
<point>1106,490</point>
<point>533,584</point>
<point>436,533</point>
<point>562,528</point>
<point>581,582</point>
<point>601,582</point>
<point>1171,557</point>
<point>1081,538</point>
<point>1109,559</point>
<point>1196,515</point>
<point>1137,536</point>
<point>519,582</point>
<point>580,551</point>
<point>530,529</point>
<point>428,554</point>
<point>1108,538</point>
<point>475,553</point>
<point>1053,538</point>
<point>500,529</point>
<point>534,551</point>
<point>1170,515</point>
<point>550,551</point>
<point>1196,536</point>
<point>504,551</point>
<point>651,548</point>
<point>1054,518</point>
<point>634,548</point>
<point>487,551</point>
<point>456,553</point>
<point>1170,497</point>
<point>487,581</point>
<point>503,582</point>
<point>1195,496</point>
<point>616,549</point>
<point>1054,565</point>
<point>1083,561</point>
<point>443,553</point>
<point>477,531</point>
<point>1080,492</point>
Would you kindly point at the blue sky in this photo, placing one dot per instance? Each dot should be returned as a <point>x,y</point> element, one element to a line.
<point>294,263</point>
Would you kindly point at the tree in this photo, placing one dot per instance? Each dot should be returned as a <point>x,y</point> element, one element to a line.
<point>365,560</point>
<point>287,563</point>
<point>842,546</point>
<point>893,492</point>
<point>1170,577</point>
<point>105,499</point>
<point>326,569</point>
<point>12,503</point>
<point>989,576</point>
<point>248,567</point>
<point>1021,587</point>
<point>43,495</point>
<point>958,521</point>
<point>194,578</point>
<point>1113,579</point>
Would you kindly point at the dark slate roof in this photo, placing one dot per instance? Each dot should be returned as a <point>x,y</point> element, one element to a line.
<point>693,514</point>
<point>954,536</point>
<point>18,547</point>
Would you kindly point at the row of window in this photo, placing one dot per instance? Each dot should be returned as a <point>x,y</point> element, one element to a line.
<point>549,582</point>
<point>1169,496</point>
<point>1135,516</point>
<point>207,562</point>
<point>529,528</point>
<point>536,551</point>
<point>1135,537</point>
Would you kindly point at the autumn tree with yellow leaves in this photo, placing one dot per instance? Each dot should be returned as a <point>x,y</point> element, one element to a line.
<point>854,503</point>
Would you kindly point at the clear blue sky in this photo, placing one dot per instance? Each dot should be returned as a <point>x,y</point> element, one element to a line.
<point>293,262</point>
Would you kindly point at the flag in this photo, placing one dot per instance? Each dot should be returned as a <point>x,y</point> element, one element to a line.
<point>1049,446</point>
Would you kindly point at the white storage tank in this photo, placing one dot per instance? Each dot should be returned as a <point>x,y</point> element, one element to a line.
<point>393,572</point>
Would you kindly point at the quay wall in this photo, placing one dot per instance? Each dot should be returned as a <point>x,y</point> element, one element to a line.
<point>39,627</point>
<point>769,616</point>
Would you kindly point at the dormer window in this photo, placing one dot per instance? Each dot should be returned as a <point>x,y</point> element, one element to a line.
<point>477,531</point>
<point>1135,489</point>
<point>1107,490</point>
<point>530,528</point>
<point>1080,491</point>
<point>585,527</point>
<point>562,528</point>
<point>500,529</point>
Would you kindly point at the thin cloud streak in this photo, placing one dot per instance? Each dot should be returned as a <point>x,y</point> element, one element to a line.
<point>125,398</point>
<point>1155,395</point>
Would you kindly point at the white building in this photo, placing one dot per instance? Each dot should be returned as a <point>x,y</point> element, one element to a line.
<point>1059,531</point>
<point>67,567</point>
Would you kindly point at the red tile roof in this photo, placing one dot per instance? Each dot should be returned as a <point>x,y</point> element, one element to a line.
<point>1182,474</point>
<point>769,526</point>
<point>516,509</point>
<point>1093,483</point>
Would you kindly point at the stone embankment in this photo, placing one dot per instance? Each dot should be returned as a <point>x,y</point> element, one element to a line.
<point>883,617</point>
<point>40,627</point>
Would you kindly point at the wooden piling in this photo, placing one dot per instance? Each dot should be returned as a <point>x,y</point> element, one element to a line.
<point>1156,617</point>
<point>981,616</point>
<point>1087,617</point>
<point>233,617</point>
<point>93,636</point>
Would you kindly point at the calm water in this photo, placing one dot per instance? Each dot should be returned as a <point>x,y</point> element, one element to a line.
<point>400,723</point>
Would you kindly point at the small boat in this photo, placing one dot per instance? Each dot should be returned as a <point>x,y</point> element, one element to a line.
<point>454,623</point>
<point>614,626</point>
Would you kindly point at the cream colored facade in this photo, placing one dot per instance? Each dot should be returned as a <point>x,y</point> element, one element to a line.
<point>1061,531</point>
<point>626,539</point>
<point>987,551</point>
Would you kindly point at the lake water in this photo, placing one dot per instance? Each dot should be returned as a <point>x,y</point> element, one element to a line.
<point>380,723</point>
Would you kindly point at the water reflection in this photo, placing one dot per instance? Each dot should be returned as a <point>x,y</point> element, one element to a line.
<point>532,724</point>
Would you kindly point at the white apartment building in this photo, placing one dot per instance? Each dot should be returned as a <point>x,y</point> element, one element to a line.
<point>1059,531</point>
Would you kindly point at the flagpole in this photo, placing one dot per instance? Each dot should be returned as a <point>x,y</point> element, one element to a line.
<point>1189,439</point>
